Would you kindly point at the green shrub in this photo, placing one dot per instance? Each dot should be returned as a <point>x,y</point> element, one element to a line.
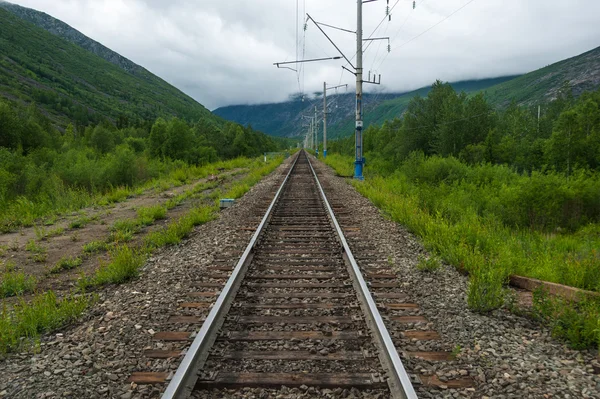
<point>66,263</point>
<point>147,216</point>
<point>577,323</point>
<point>45,312</point>
<point>95,246</point>
<point>13,283</point>
<point>124,265</point>
<point>429,264</point>
<point>486,289</point>
<point>80,223</point>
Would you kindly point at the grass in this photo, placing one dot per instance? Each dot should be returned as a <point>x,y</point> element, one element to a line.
<point>429,264</point>
<point>33,247</point>
<point>180,229</point>
<point>124,265</point>
<point>147,215</point>
<point>449,226</point>
<point>66,263</point>
<point>14,283</point>
<point>22,326</point>
<point>94,247</point>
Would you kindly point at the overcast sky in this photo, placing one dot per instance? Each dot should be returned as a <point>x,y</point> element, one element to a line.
<point>221,52</point>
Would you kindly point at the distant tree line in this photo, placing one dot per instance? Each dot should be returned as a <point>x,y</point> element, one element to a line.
<point>566,136</point>
<point>38,160</point>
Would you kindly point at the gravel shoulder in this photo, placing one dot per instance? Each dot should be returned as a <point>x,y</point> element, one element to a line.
<point>507,355</point>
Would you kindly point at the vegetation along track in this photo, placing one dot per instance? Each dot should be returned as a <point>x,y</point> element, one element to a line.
<point>295,310</point>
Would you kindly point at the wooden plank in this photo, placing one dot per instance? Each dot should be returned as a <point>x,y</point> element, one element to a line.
<point>564,291</point>
<point>145,378</point>
<point>195,305</point>
<point>161,354</point>
<point>408,319</point>
<point>391,295</point>
<point>321,380</point>
<point>292,319</point>
<point>302,268</point>
<point>299,285</point>
<point>292,306</point>
<point>172,336</point>
<point>400,306</point>
<point>185,320</point>
<point>383,285</point>
<point>380,276</point>
<point>292,276</point>
<point>204,294</point>
<point>294,355</point>
<point>421,335</point>
<point>288,335</point>
<point>297,295</point>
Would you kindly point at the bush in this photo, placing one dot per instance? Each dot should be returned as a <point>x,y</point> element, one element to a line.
<point>66,263</point>
<point>124,265</point>
<point>44,313</point>
<point>486,289</point>
<point>429,264</point>
<point>13,283</point>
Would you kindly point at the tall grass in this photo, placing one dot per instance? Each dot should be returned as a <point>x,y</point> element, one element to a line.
<point>23,325</point>
<point>463,214</point>
<point>14,283</point>
<point>66,193</point>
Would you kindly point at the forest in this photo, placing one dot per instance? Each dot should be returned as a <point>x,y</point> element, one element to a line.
<point>496,192</point>
<point>43,169</point>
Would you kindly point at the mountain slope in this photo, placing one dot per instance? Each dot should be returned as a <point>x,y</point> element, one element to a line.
<point>61,29</point>
<point>582,72</point>
<point>285,119</point>
<point>71,83</point>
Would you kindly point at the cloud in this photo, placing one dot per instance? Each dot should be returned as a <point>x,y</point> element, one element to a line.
<point>222,52</point>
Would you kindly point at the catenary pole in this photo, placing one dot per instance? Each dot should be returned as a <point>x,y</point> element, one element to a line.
<point>359,159</point>
<point>324,120</point>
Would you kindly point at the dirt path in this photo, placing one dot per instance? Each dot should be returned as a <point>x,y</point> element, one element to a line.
<point>96,225</point>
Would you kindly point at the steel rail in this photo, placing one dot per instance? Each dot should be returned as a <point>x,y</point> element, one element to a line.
<point>399,380</point>
<point>186,376</point>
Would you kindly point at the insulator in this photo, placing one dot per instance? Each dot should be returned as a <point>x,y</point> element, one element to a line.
<point>389,48</point>
<point>387,10</point>
<point>414,4</point>
<point>305,27</point>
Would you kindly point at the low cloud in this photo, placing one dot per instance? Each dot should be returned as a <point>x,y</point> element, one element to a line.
<point>222,52</point>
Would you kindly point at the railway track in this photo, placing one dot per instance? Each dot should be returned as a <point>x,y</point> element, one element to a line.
<point>296,311</point>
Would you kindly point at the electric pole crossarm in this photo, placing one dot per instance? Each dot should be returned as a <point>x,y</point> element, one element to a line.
<point>335,27</point>
<point>331,41</point>
<point>300,61</point>
<point>353,73</point>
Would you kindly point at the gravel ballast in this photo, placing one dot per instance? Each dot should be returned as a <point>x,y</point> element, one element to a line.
<point>507,356</point>
<point>94,358</point>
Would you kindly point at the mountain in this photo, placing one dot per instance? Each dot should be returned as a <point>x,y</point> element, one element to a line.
<point>542,86</point>
<point>73,78</point>
<point>285,119</point>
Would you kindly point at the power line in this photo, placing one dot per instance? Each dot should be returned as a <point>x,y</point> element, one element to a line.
<point>430,28</point>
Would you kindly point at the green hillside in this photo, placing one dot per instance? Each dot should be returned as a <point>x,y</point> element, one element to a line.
<point>394,108</point>
<point>541,86</point>
<point>70,83</point>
